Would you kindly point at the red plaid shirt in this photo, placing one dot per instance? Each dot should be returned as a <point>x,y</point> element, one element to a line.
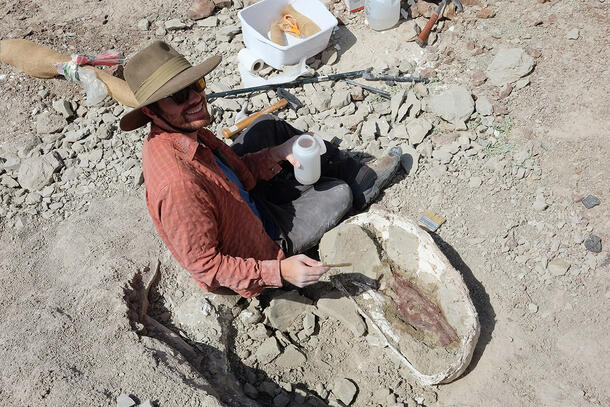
<point>200,216</point>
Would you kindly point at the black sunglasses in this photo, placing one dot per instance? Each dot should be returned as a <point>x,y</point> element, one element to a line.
<point>183,95</point>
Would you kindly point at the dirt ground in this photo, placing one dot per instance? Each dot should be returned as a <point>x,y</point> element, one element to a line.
<point>72,256</point>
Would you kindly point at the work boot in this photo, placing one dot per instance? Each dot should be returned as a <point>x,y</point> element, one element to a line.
<point>372,178</point>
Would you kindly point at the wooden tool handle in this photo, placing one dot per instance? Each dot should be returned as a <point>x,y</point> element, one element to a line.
<point>239,126</point>
<point>422,38</point>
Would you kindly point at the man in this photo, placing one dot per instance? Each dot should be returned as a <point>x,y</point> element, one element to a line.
<point>234,217</point>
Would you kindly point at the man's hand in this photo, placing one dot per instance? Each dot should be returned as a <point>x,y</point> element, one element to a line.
<point>301,270</point>
<point>284,152</point>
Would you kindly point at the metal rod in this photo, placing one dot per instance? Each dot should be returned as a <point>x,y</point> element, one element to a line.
<point>370,77</point>
<point>371,89</point>
<point>315,79</point>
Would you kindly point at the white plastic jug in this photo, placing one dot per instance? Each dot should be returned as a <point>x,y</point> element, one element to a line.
<point>307,151</point>
<point>382,14</point>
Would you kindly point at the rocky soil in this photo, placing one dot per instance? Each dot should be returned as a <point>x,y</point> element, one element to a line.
<point>508,142</point>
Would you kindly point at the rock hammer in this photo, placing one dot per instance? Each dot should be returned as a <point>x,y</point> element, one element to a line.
<point>422,38</point>
<point>287,99</point>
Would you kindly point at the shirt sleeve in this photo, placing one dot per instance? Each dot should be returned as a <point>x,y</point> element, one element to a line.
<point>261,165</point>
<point>191,228</point>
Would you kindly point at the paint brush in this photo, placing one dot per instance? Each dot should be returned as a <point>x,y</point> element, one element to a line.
<point>337,265</point>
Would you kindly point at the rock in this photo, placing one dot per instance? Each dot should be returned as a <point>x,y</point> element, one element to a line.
<point>208,22</point>
<point>226,34</point>
<point>383,126</point>
<point>532,308</point>
<point>8,181</point>
<point>285,308</point>
<point>437,171</point>
<point>396,102</point>
<point>160,32</point>
<point>454,105</point>
<point>593,244</point>
<point>340,98</point>
<point>64,108</point>
<point>250,391</point>
<point>540,204</point>
<point>124,401</point>
<point>475,182</point>
<point>309,323</point>
<point>398,132</point>
<point>321,101</point>
<point>143,24</point>
<point>483,106</point>
<point>417,130</point>
<point>522,83</point>
<point>590,201</point>
<point>344,390</point>
<point>414,105</point>
<point>420,89</point>
<point>200,9</point>
<point>146,403</point>
<point>357,93</point>
<point>48,123</point>
<point>281,400</point>
<point>222,3</point>
<point>443,155</point>
<point>486,13</point>
<point>291,358</point>
<point>37,172</point>
<point>343,310</point>
<point>509,65</point>
<point>227,104</point>
<point>558,267</point>
<point>269,350</point>
<point>573,34</point>
<point>109,118</point>
<point>103,132</point>
<point>409,160</point>
<point>174,24</point>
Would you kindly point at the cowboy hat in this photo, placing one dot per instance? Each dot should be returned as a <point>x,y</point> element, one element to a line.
<point>157,72</point>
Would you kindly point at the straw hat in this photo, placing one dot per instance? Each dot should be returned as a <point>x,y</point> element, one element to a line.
<point>157,72</point>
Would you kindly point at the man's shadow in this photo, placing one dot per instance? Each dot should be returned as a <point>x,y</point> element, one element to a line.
<point>228,375</point>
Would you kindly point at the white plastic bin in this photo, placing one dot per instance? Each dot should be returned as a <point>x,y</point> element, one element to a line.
<point>256,20</point>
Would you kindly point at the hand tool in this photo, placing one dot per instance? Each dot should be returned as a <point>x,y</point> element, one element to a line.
<point>287,100</point>
<point>337,265</point>
<point>422,38</point>
<point>371,89</point>
<point>296,82</point>
<point>370,77</point>
<point>289,26</point>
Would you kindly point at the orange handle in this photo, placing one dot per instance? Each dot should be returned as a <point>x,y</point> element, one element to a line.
<point>239,126</point>
<point>423,35</point>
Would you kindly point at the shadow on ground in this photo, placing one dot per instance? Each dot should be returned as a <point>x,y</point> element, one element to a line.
<point>480,299</point>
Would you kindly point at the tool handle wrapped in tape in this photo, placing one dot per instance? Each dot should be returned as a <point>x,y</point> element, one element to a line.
<point>94,88</point>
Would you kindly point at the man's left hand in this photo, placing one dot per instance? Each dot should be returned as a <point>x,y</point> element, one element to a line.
<point>284,152</point>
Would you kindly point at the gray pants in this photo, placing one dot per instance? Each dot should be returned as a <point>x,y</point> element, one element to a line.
<point>301,213</point>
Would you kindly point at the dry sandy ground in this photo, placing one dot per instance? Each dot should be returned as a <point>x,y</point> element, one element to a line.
<point>65,333</point>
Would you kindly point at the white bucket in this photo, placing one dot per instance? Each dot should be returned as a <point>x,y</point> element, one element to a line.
<point>257,18</point>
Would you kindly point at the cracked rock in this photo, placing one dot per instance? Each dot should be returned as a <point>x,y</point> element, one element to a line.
<point>417,130</point>
<point>269,350</point>
<point>454,105</point>
<point>509,65</point>
<point>344,310</point>
<point>344,390</point>
<point>286,308</point>
<point>37,172</point>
